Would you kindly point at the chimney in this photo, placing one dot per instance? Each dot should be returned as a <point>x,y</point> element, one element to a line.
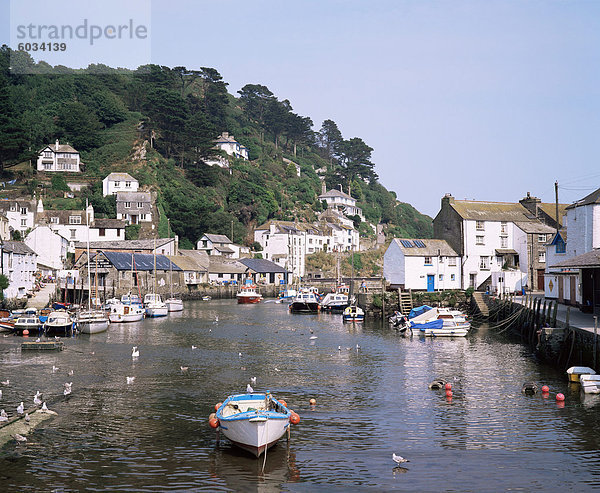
<point>447,199</point>
<point>225,135</point>
<point>40,206</point>
<point>56,145</point>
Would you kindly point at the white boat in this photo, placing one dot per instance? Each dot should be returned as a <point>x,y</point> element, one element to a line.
<point>174,304</point>
<point>353,313</point>
<point>92,321</point>
<point>59,323</point>
<point>155,307</point>
<point>287,295</point>
<point>590,384</point>
<point>306,301</point>
<point>132,299</point>
<point>121,313</point>
<point>576,372</point>
<point>441,322</point>
<point>30,323</point>
<point>254,422</point>
<point>335,302</point>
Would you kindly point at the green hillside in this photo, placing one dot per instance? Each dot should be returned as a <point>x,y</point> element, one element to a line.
<point>158,124</point>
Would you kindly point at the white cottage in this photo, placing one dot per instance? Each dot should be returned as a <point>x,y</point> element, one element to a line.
<point>340,201</point>
<point>119,182</point>
<point>20,214</point>
<point>59,157</point>
<point>19,265</point>
<point>421,264</point>
<point>231,147</point>
<point>51,248</point>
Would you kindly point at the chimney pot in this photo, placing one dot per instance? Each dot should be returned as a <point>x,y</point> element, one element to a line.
<point>56,145</point>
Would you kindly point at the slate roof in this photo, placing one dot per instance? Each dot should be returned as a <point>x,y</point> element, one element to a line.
<point>550,210</point>
<point>592,198</point>
<point>587,260</point>
<point>223,249</point>
<point>491,211</point>
<point>125,244</point>
<point>261,265</point>
<point>108,223</point>
<point>17,247</point>
<point>186,263</point>
<point>430,250</point>
<point>226,138</point>
<point>534,227</point>
<point>5,204</point>
<point>218,238</point>
<point>120,177</point>
<point>218,264</point>
<point>62,215</point>
<point>141,261</point>
<point>199,256</point>
<point>61,148</point>
<point>336,193</point>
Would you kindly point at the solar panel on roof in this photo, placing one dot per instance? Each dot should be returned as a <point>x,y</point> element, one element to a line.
<point>419,244</point>
<point>406,243</point>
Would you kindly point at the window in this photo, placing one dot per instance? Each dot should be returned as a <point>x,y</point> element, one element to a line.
<point>47,153</point>
<point>220,275</point>
<point>542,257</point>
<point>561,247</point>
<point>74,219</point>
<point>117,184</point>
<point>127,184</point>
<point>127,205</point>
<point>541,238</point>
<point>452,261</point>
<point>23,210</point>
<point>428,261</point>
<point>73,234</point>
<point>441,260</point>
<point>123,274</point>
<point>119,232</point>
<point>140,205</point>
<point>23,222</point>
<point>503,242</point>
<point>142,217</point>
<point>503,228</point>
<point>47,165</point>
<point>441,277</point>
<point>479,226</point>
<point>452,277</point>
<point>484,263</point>
<point>54,220</point>
<point>13,207</point>
<point>101,232</point>
<point>479,240</point>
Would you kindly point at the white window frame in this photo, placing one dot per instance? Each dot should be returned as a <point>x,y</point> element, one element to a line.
<point>542,257</point>
<point>480,240</point>
<point>452,261</point>
<point>484,263</point>
<point>541,238</point>
<point>503,242</point>
<point>480,225</point>
<point>425,261</point>
<point>74,219</point>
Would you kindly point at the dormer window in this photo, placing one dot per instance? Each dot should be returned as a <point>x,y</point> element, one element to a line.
<point>54,220</point>
<point>23,210</point>
<point>74,219</point>
<point>117,184</point>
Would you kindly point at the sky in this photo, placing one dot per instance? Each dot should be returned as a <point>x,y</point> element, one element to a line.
<point>486,100</point>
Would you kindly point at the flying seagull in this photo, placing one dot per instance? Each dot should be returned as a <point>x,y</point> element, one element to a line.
<point>399,459</point>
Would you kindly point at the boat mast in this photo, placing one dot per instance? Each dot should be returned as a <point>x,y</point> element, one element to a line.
<point>89,278</point>
<point>154,266</point>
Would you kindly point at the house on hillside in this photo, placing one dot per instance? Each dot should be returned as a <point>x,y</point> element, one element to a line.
<point>20,213</point>
<point>216,245</point>
<point>134,207</point>
<point>50,247</point>
<point>231,147</point>
<point>342,202</point>
<point>119,182</point>
<point>59,157</point>
<point>70,224</point>
<point>18,263</point>
<point>421,264</point>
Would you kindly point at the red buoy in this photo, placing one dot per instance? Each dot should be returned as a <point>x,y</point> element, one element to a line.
<point>448,393</point>
<point>448,386</point>
<point>282,402</point>
<point>213,422</point>
<point>294,418</point>
<point>25,332</point>
<point>560,397</point>
<point>545,388</point>
<point>218,405</point>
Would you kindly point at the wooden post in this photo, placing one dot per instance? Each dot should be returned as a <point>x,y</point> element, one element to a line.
<point>554,314</point>
<point>382,298</point>
<point>568,316</point>
<point>543,319</point>
<point>595,338</point>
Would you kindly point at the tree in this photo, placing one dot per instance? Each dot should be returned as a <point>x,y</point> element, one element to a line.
<point>330,138</point>
<point>169,113</point>
<point>4,283</point>
<point>299,129</point>
<point>276,117</point>
<point>214,97</point>
<point>12,142</point>
<point>255,99</point>
<point>355,160</point>
<point>79,125</point>
<point>198,138</point>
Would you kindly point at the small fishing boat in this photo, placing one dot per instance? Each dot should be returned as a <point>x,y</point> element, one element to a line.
<point>254,421</point>
<point>29,323</point>
<point>440,322</point>
<point>287,295</point>
<point>305,302</point>
<point>353,313</point>
<point>174,304</point>
<point>248,294</point>
<point>575,372</point>
<point>92,321</point>
<point>206,298</point>
<point>335,302</point>
<point>155,307</point>
<point>59,323</point>
<point>121,313</point>
<point>590,384</point>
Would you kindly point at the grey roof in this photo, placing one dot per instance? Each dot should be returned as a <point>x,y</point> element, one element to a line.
<point>126,244</point>
<point>217,238</point>
<point>261,265</point>
<point>108,223</point>
<point>222,265</point>
<point>589,260</point>
<point>534,227</point>
<point>491,211</point>
<point>199,256</point>
<point>61,148</point>
<point>62,215</point>
<point>18,203</point>
<point>141,261</point>
<point>223,249</point>
<point>592,198</point>
<point>336,193</point>
<point>187,263</point>
<point>120,177</point>
<point>431,249</point>
<point>17,247</point>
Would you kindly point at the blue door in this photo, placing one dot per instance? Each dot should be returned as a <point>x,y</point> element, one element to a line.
<point>430,282</point>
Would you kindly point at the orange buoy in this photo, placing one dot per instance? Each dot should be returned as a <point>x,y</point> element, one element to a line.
<point>545,388</point>
<point>282,402</point>
<point>448,386</point>
<point>448,393</point>
<point>213,422</point>
<point>25,332</point>
<point>313,402</point>
<point>218,405</point>
<point>560,397</point>
<point>294,418</point>
<point>212,415</point>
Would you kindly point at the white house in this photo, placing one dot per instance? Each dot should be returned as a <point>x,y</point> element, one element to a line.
<point>216,245</point>
<point>59,157</point>
<point>20,214</point>
<point>134,207</point>
<point>50,247</point>
<point>19,265</point>
<point>231,147</point>
<point>284,243</point>
<point>223,270</point>
<point>119,182</point>
<point>342,202</point>
<point>422,264</point>
<point>70,224</point>
<point>107,229</point>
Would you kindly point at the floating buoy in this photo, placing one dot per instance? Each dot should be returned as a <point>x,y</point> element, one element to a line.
<point>560,397</point>
<point>218,405</point>
<point>448,393</point>
<point>212,415</point>
<point>25,332</point>
<point>214,423</point>
<point>313,402</point>
<point>437,384</point>
<point>545,388</point>
<point>448,386</point>
<point>294,418</point>
<point>529,388</point>
<point>282,402</point>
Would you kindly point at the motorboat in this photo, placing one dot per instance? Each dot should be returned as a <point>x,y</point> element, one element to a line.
<point>248,294</point>
<point>576,372</point>
<point>287,295</point>
<point>206,298</point>
<point>59,323</point>
<point>27,324</point>
<point>590,384</point>
<point>353,313</point>
<point>132,299</point>
<point>109,303</point>
<point>398,321</point>
<point>440,322</point>
<point>121,313</point>
<point>305,301</point>
<point>335,302</point>
<point>174,304</point>
<point>92,321</point>
<point>254,421</point>
<point>155,307</point>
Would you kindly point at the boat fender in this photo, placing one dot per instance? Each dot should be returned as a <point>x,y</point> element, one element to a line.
<point>529,388</point>
<point>437,384</point>
<point>282,402</point>
<point>218,405</point>
<point>294,418</point>
<point>214,423</point>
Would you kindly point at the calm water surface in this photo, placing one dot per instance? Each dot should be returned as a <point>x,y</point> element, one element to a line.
<point>153,435</point>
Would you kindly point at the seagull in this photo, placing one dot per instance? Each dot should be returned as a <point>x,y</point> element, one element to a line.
<point>38,340</point>
<point>36,398</point>
<point>27,418</point>
<point>184,368</point>
<point>54,369</point>
<point>20,408</point>
<point>130,380</point>
<point>44,407</point>
<point>70,373</point>
<point>6,382</point>
<point>3,418</point>
<point>19,438</point>
<point>339,348</point>
<point>277,369</point>
<point>240,355</point>
<point>313,337</point>
<point>135,352</point>
<point>68,385</point>
<point>398,459</point>
<point>194,347</point>
<point>357,347</point>
<point>249,389</point>
<point>312,331</point>
<point>253,380</point>
<point>3,414</point>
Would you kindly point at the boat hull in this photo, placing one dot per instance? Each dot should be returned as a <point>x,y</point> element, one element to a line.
<point>93,326</point>
<point>125,313</point>
<point>301,307</point>
<point>444,332</point>
<point>246,300</point>
<point>590,384</point>
<point>255,437</point>
<point>174,305</point>
<point>159,311</point>
<point>59,330</point>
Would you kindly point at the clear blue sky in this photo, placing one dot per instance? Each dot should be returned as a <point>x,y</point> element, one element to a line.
<point>484,99</point>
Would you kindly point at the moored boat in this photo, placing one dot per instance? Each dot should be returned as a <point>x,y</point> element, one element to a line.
<point>174,304</point>
<point>29,323</point>
<point>440,322</point>
<point>155,307</point>
<point>353,313</point>
<point>576,372</point>
<point>287,295</point>
<point>254,421</point>
<point>92,321</point>
<point>305,302</point>
<point>59,323</point>
<point>121,313</point>
<point>590,384</point>
<point>248,294</point>
<point>335,302</point>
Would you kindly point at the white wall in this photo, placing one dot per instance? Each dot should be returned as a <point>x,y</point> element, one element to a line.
<point>111,187</point>
<point>20,270</point>
<point>50,247</point>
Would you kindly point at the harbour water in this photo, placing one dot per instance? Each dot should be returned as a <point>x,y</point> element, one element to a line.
<point>372,401</point>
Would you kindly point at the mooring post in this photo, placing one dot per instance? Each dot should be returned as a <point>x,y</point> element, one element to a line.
<point>554,315</point>
<point>595,338</point>
<point>568,316</point>
<point>543,319</point>
<point>382,298</point>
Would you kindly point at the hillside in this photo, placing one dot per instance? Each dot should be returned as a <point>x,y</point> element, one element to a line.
<point>159,124</point>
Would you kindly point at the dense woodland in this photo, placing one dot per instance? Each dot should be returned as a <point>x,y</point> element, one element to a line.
<point>108,114</point>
